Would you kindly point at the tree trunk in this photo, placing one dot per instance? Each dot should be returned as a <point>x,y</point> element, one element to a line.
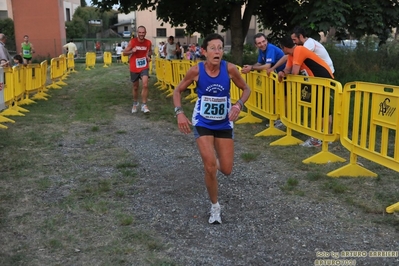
<point>237,38</point>
<point>239,29</point>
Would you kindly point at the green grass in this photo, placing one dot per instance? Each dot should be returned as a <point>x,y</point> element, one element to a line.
<point>248,156</point>
<point>62,190</point>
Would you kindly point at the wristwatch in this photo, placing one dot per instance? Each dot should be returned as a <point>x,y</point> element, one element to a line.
<point>178,109</point>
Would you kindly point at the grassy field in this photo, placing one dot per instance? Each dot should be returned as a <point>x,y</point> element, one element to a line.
<point>53,207</point>
<point>55,211</point>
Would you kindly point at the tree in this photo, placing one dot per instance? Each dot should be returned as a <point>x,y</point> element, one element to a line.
<point>7,27</point>
<point>204,16</point>
<point>83,3</point>
<point>78,27</point>
<point>356,17</point>
<point>349,17</point>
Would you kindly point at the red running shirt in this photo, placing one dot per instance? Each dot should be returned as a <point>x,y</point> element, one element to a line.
<point>138,60</point>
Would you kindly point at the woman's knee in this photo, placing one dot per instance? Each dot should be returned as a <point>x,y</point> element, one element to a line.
<point>226,170</point>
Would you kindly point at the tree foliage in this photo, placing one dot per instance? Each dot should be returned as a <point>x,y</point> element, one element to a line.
<point>7,27</point>
<point>348,17</point>
<point>79,27</point>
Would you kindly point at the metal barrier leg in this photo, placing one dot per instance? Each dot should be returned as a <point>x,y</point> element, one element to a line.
<point>324,156</point>
<point>393,208</point>
<point>353,169</point>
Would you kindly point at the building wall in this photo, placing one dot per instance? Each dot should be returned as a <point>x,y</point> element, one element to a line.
<point>71,5</point>
<point>44,23</point>
<point>5,7</point>
<point>149,20</point>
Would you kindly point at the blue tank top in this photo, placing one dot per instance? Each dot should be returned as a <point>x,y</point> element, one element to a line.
<point>213,104</point>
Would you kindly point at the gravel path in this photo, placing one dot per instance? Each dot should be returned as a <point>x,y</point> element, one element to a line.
<point>262,225</point>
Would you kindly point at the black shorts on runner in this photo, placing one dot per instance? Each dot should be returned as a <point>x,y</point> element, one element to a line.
<point>223,133</point>
<point>136,76</point>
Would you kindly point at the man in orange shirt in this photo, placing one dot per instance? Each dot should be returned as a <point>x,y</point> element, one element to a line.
<point>302,61</point>
<point>139,50</point>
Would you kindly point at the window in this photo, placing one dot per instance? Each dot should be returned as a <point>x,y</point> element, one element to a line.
<point>161,32</point>
<point>68,14</point>
<point>3,14</point>
<point>179,33</point>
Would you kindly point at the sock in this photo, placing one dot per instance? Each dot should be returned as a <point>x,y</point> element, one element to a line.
<point>135,103</point>
<point>216,205</point>
<point>143,103</point>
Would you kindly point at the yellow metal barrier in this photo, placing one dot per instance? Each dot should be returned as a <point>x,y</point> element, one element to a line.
<point>235,92</point>
<point>393,208</point>
<point>13,91</point>
<point>56,73</point>
<point>32,82</point>
<point>43,67</point>
<point>151,66</point>
<point>41,72</point>
<point>159,72</point>
<point>64,67</point>
<point>125,59</point>
<point>373,134</point>
<point>309,103</point>
<point>19,76</point>
<point>182,70</point>
<point>107,59</point>
<point>90,60</point>
<point>168,78</point>
<point>263,101</point>
<point>176,77</point>
<point>3,105</point>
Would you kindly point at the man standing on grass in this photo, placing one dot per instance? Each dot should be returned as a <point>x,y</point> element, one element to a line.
<point>70,47</point>
<point>27,50</point>
<point>139,50</point>
<point>268,56</point>
<point>3,50</point>
<point>302,61</point>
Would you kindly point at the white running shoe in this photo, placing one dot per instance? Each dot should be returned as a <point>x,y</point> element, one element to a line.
<point>215,216</point>
<point>312,142</point>
<point>145,109</point>
<point>134,108</point>
<point>277,124</point>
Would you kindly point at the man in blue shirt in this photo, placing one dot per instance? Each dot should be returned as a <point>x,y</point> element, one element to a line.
<point>268,55</point>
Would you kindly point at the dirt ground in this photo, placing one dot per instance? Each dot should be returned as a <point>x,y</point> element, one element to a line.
<point>262,225</point>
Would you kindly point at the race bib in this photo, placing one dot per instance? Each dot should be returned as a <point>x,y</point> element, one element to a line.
<point>26,52</point>
<point>141,62</point>
<point>213,108</point>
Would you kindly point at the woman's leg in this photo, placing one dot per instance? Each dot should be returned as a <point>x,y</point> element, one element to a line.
<point>206,148</point>
<point>225,152</point>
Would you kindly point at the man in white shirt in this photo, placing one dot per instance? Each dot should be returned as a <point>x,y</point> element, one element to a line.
<point>70,47</point>
<point>299,37</point>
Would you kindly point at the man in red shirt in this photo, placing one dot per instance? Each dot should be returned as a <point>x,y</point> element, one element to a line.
<point>139,50</point>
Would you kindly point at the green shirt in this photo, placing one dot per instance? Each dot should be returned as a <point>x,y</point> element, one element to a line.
<point>26,50</point>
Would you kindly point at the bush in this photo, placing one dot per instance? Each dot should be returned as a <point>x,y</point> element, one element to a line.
<point>365,64</point>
